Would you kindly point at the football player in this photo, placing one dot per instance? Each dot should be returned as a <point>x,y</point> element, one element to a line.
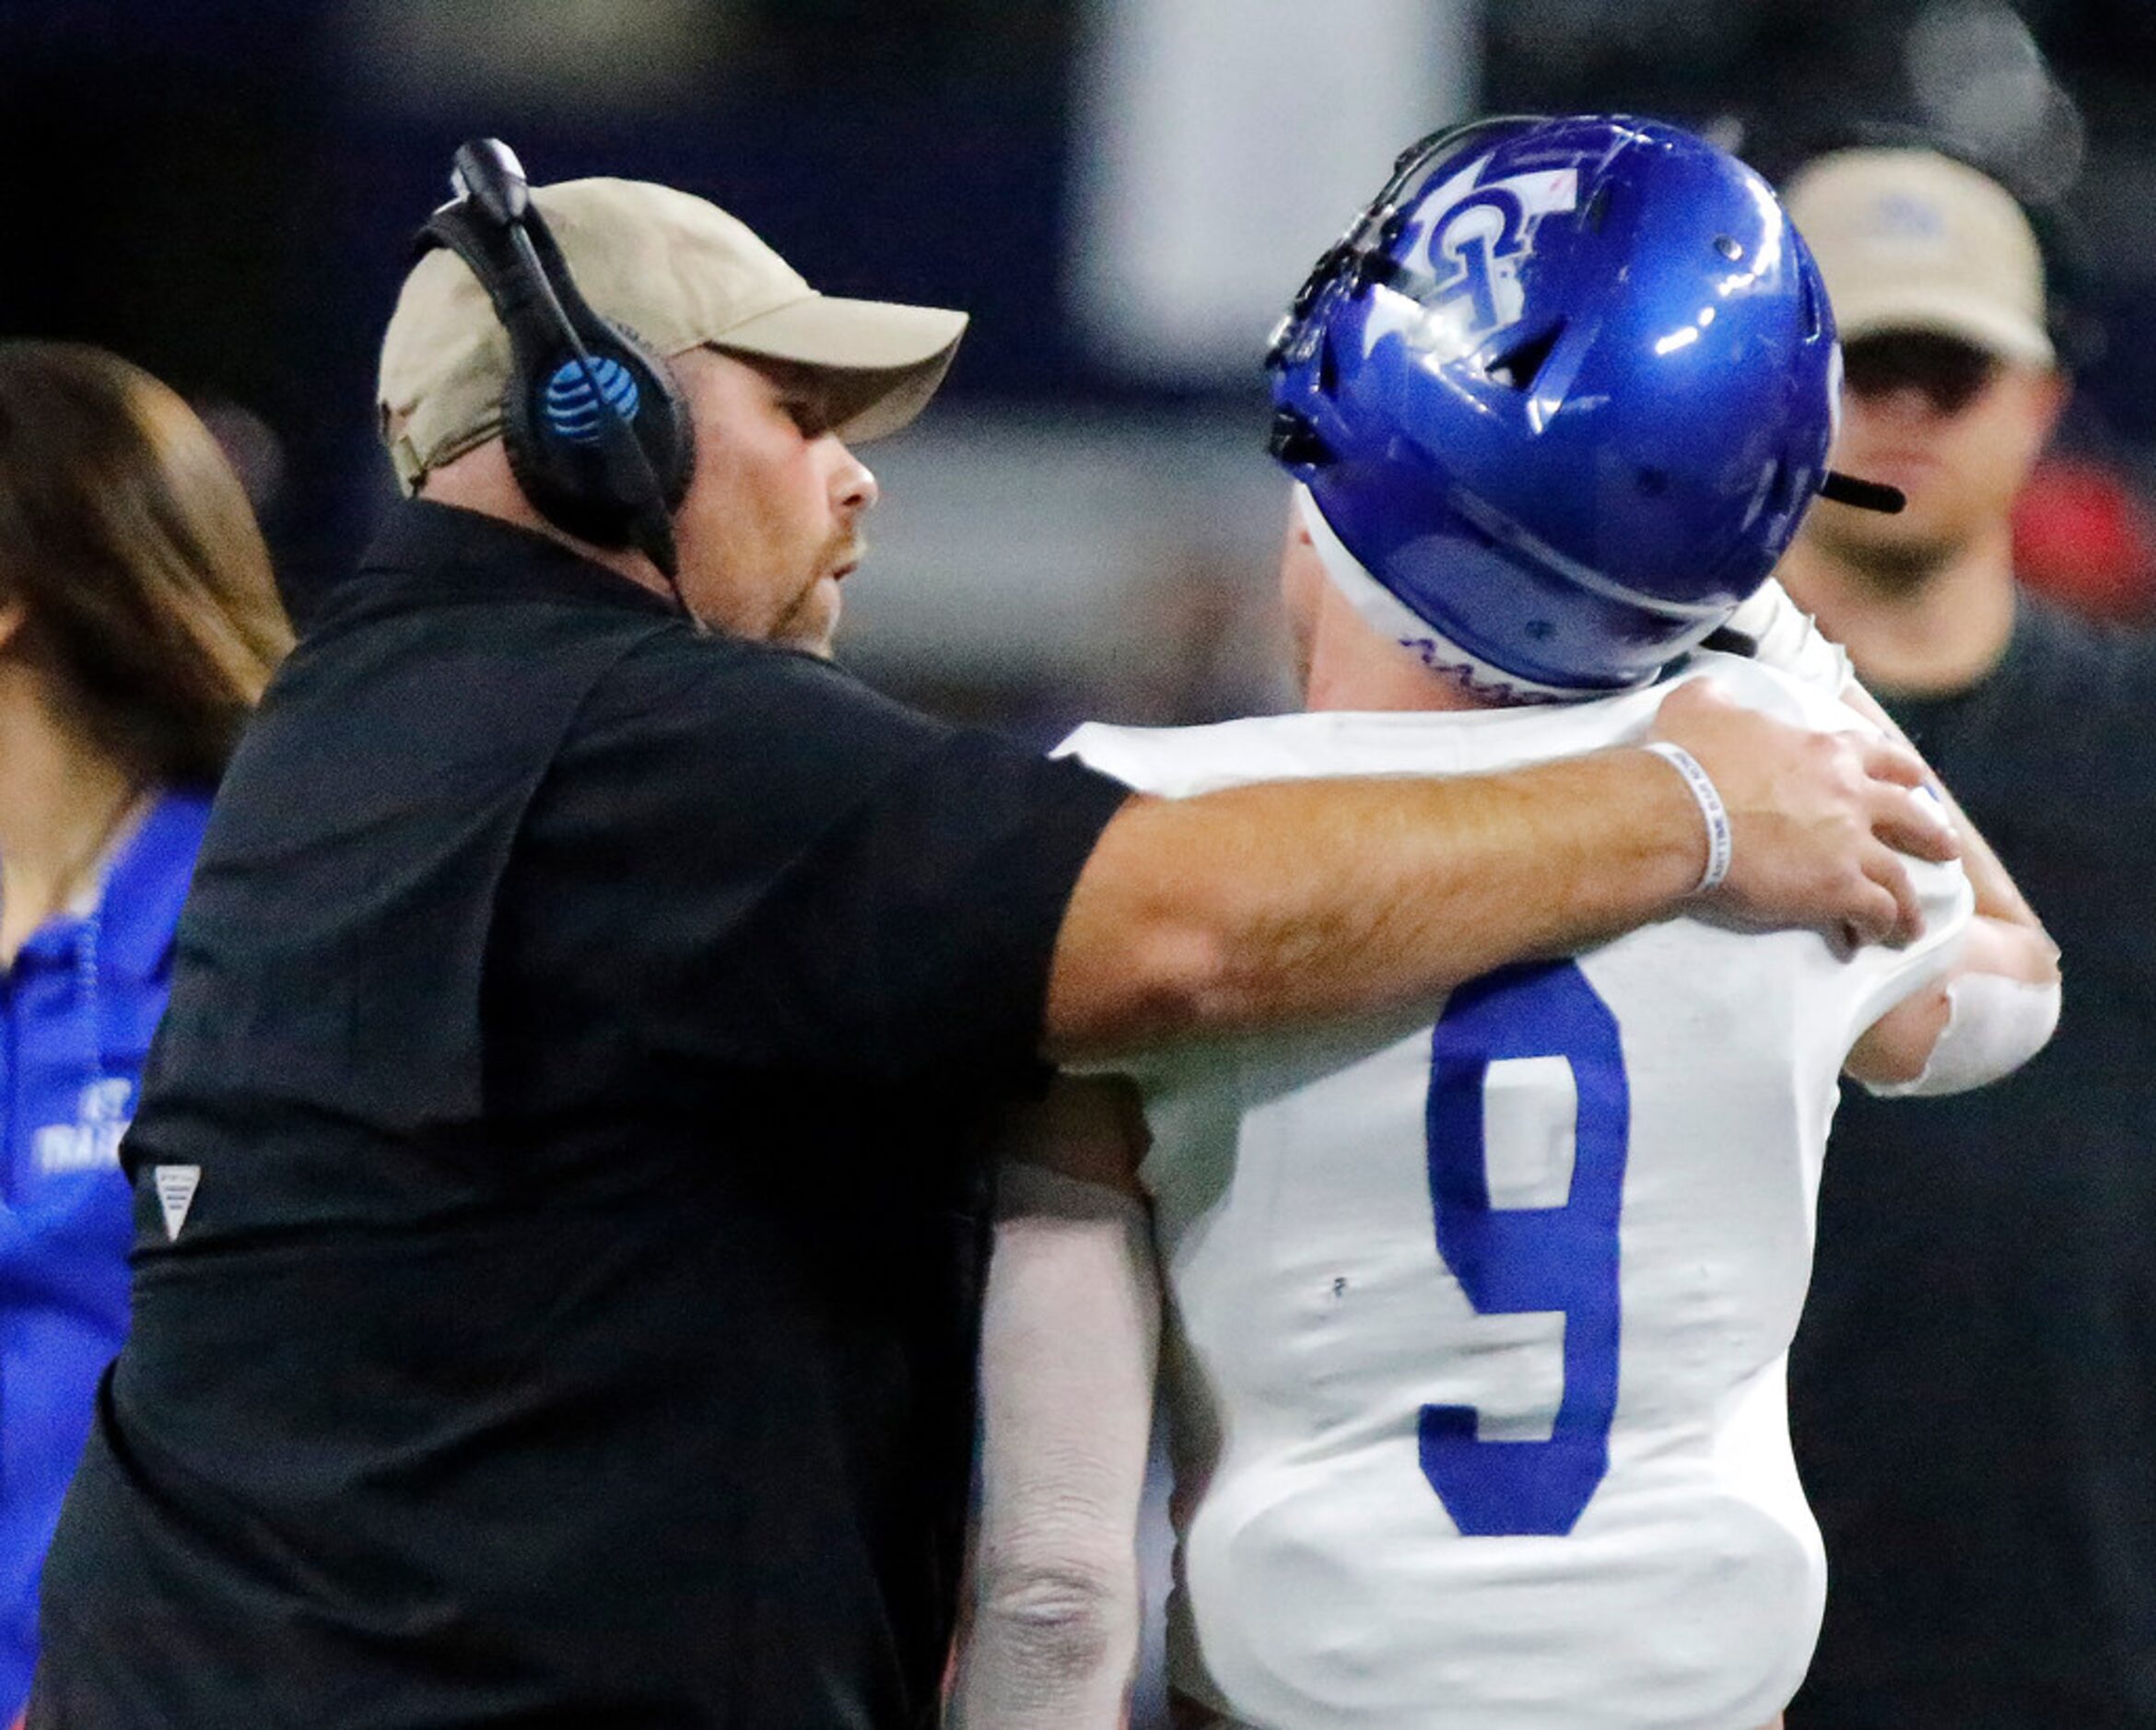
<point>1478,1315</point>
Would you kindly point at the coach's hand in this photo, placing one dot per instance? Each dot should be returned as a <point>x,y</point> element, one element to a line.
<point>1817,819</point>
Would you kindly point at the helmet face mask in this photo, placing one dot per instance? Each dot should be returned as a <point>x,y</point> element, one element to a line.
<point>1565,390</point>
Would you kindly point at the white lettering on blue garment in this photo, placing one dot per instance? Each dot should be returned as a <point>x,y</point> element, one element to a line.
<point>92,1140</point>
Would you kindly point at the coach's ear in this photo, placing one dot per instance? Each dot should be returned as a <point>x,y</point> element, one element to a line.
<point>11,620</point>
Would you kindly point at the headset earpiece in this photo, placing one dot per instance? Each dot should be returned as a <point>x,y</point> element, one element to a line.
<point>597,433</point>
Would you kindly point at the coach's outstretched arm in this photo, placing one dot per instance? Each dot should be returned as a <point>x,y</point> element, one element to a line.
<point>1293,899</point>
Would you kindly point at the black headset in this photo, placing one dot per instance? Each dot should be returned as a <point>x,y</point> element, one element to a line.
<point>597,434</point>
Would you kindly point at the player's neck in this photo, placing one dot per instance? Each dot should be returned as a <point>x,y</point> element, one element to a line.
<point>1348,666</point>
<point>1924,635</point>
<point>1373,675</point>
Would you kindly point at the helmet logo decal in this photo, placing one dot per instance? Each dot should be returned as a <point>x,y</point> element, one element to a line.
<point>1476,242</point>
<point>1464,240</point>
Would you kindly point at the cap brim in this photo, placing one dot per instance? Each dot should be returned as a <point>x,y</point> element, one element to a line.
<point>1986,325</point>
<point>886,359</point>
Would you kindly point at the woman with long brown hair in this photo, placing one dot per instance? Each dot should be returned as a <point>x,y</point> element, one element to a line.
<point>139,625</point>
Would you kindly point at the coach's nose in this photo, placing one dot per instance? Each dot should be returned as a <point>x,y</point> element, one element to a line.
<point>854,491</point>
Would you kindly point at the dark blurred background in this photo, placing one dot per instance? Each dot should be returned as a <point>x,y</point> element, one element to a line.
<point>1121,191</point>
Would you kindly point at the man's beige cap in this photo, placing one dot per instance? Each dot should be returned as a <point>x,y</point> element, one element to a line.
<point>677,274</point>
<point>1911,240</point>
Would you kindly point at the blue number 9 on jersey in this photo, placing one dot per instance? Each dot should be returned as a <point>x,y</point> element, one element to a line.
<point>1514,1259</point>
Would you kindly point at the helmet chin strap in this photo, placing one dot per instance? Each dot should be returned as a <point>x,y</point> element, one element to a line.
<point>1386,614</point>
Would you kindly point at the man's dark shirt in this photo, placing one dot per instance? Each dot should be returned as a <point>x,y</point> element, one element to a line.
<point>1973,1388</point>
<point>582,1038</point>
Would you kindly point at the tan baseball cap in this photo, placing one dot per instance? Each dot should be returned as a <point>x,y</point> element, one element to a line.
<point>1912,241</point>
<point>678,274</point>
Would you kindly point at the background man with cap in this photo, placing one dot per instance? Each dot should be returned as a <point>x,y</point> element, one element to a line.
<point>559,1212</point>
<point>1973,1389</point>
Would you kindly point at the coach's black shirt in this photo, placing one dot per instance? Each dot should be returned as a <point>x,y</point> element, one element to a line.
<point>1973,1388</point>
<point>558,1202</point>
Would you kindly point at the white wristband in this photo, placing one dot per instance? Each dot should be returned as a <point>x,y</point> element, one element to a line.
<point>1710,807</point>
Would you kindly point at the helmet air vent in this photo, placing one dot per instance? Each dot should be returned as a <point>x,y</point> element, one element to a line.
<point>1522,363</point>
<point>1327,366</point>
<point>1814,326</point>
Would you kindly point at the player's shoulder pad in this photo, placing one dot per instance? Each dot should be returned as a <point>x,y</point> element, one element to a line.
<point>1773,692</point>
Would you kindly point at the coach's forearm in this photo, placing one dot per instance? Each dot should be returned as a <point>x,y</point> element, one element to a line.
<point>1292,900</point>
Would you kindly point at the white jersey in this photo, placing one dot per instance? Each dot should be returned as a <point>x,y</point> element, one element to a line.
<point>1479,1323</point>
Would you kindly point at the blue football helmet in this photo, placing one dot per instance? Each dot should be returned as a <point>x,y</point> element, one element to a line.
<point>1565,392</point>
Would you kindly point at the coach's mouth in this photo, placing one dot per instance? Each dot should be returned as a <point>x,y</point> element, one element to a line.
<point>847,558</point>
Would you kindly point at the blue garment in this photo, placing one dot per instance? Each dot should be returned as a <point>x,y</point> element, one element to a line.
<point>77,1012</point>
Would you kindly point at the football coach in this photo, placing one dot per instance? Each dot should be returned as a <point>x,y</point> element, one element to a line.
<point>559,1192</point>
